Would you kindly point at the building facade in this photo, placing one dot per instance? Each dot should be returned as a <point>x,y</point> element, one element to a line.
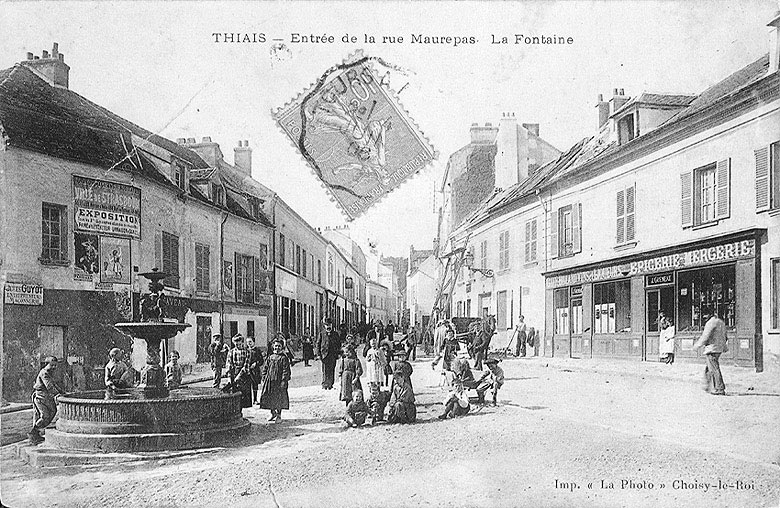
<point>90,201</point>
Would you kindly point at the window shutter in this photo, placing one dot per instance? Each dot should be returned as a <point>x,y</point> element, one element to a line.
<point>158,262</point>
<point>64,234</point>
<point>175,261</point>
<point>533,240</point>
<point>621,219</point>
<point>723,178</point>
<point>576,226</point>
<point>553,235</point>
<point>763,201</point>
<point>237,287</point>
<point>686,199</point>
<point>630,211</point>
<point>527,242</point>
<point>257,280</point>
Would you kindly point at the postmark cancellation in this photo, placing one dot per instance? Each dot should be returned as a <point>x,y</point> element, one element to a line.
<point>353,132</point>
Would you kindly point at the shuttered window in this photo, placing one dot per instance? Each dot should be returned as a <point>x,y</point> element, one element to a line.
<point>569,229</point>
<point>626,230</point>
<point>170,259</point>
<point>503,250</point>
<point>706,194</point>
<point>530,241</point>
<point>483,254</point>
<point>767,177</point>
<point>202,263</point>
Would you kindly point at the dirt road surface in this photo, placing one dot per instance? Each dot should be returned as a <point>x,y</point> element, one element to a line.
<point>560,438</point>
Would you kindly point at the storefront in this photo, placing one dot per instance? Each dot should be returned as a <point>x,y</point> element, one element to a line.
<point>613,309</point>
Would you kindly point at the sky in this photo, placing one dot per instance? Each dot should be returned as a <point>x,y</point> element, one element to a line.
<point>158,65</point>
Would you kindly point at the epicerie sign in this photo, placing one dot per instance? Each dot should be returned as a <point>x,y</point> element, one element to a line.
<point>17,293</point>
<point>698,257</point>
<point>107,207</point>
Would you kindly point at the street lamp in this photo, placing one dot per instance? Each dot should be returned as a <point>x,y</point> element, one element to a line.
<point>469,261</point>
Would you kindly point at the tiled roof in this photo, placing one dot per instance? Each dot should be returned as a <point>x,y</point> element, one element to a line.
<point>657,99</point>
<point>22,89</point>
<point>732,84</point>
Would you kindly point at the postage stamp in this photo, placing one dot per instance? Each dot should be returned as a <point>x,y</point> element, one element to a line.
<point>353,132</point>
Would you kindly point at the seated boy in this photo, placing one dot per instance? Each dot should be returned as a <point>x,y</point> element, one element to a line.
<point>492,379</point>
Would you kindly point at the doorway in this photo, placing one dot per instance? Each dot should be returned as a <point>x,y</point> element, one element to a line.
<point>576,327</point>
<point>202,339</point>
<point>659,303</point>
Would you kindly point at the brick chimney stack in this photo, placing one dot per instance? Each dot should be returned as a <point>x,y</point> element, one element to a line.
<point>242,157</point>
<point>52,67</point>
<point>602,107</point>
<point>618,99</point>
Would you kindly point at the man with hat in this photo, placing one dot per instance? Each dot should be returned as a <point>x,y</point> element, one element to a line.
<point>218,352</point>
<point>328,347</point>
<point>44,405</point>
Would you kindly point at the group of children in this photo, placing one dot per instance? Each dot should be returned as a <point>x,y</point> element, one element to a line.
<point>399,398</point>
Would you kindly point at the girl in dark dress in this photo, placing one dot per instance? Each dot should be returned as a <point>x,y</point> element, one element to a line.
<point>276,375</point>
<point>308,349</point>
<point>351,370</point>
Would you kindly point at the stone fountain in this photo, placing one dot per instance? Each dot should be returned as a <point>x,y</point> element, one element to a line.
<point>149,417</point>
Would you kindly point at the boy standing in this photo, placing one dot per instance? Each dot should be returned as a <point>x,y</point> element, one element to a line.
<point>173,371</point>
<point>115,370</point>
<point>218,352</point>
<point>44,405</point>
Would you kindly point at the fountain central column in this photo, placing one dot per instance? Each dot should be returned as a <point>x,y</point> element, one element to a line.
<point>152,374</point>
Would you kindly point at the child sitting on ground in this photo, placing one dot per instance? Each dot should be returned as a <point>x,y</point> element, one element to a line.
<point>173,371</point>
<point>492,379</point>
<point>457,403</point>
<point>357,410</point>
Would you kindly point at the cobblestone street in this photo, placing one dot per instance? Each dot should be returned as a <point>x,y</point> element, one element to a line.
<point>561,436</point>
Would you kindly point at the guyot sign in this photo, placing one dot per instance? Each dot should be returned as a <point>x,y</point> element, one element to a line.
<point>17,293</point>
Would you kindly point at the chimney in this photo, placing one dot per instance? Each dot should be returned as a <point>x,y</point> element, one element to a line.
<point>486,134</point>
<point>242,157</point>
<point>52,68</point>
<point>602,107</point>
<point>506,164</point>
<point>208,150</point>
<point>618,99</point>
<point>774,43</point>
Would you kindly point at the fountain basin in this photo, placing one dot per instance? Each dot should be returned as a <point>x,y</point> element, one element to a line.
<point>130,421</point>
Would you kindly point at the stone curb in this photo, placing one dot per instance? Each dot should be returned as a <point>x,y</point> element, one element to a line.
<point>14,408</point>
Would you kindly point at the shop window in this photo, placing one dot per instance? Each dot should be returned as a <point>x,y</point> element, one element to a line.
<point>776,294</point>
<point>232,328</point>
<point>54,234</point>
<point>706,194</point>
<point>503,250</point>
<point>170,259</point>
<point>768,177</point>
<point>626,230</point>
<point>561,306</point>
<point>701,293</point>
<point>530,241</point>
<point>202,262</point>
<point>612,307</point>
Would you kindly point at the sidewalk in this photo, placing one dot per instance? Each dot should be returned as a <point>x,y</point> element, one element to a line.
<point>738,379</point>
